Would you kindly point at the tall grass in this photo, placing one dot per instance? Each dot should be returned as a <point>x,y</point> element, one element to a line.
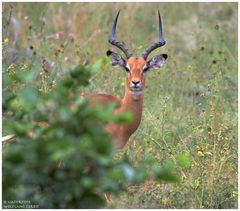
<point>190,105</point>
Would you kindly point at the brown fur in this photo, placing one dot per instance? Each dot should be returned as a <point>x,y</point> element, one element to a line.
<point>133,103</point>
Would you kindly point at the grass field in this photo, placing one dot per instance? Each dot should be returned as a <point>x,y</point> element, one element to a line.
<point>190,105</point>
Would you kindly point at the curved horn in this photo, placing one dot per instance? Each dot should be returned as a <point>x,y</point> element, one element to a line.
<point>158,44</point>
<point>112,39</point>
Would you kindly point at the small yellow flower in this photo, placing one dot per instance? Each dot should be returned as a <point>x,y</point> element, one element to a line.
<point>5,41</point>
<point>11,68</point>
<point>24,66</point>
<point>200,153</point>
<point>234,194</point>
<point>226,138</point>
<point>158,185</point>
<point>165,200</point>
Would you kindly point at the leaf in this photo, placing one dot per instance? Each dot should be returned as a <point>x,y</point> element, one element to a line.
<point>87,182</point>
<point>64,114</point>
<point>128,172</point>
<point>184,161</point>
<point>6,80</point>
<point>125,117</point>
<point>166,172</point>
<point>96,66</point>
<point>81,75</point>
<point>28,97</point>
<point>92,201</point>
<point>6,99</point>
<point>20,128</point>
<point>25,76</point>
<point>115,174</point>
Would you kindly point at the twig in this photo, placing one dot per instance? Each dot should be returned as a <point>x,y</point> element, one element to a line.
<point>8,137</point>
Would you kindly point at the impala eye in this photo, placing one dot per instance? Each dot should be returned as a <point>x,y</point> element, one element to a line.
<point>127,68</point>
<point>145,68</point>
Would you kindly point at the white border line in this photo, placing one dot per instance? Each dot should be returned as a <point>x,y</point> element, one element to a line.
<point>125,1</point>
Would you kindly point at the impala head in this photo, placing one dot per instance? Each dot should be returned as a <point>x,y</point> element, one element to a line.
<point>136,67</point>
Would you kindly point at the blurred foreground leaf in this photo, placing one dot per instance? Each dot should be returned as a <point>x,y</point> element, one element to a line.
<point>166,172</point>
<point>184,161</point>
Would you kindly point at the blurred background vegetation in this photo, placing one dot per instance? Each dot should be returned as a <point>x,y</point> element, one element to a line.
<point>190,105</point>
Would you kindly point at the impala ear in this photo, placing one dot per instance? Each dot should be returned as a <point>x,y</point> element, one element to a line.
<point>157,61</point>
<point>116,59</point>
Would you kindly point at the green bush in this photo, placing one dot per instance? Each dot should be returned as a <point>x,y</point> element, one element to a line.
<point>69,162</point>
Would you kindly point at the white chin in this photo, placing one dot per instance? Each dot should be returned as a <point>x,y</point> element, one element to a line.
<point>136,93</point>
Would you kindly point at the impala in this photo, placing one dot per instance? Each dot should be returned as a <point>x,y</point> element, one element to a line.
<point>135,68</point>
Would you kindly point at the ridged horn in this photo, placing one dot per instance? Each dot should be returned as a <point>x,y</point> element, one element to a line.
<point>112,39</point>
<point>157,44</point>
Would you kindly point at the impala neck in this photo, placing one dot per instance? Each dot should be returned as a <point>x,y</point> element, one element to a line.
<point>130,98</point>
<point>133,103</point>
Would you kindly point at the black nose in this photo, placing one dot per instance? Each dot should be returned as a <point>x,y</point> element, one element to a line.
<point>135,82</point>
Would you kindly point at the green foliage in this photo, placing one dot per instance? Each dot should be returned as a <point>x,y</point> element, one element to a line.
<point>184,161</point>
<point>69,162</point>
<point>165,172</point>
